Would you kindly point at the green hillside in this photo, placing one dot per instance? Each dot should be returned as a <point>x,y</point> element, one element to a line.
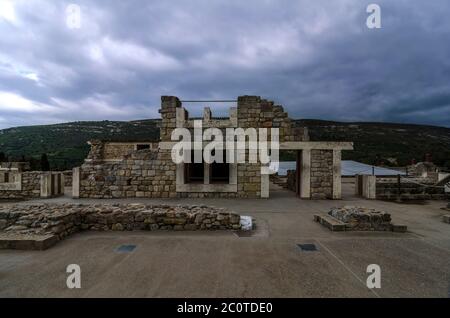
<point>375,143</point>
<point>66,144</point>
<point>385,143</point>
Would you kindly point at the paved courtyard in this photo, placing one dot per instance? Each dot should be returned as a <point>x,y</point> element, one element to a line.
<point>266,264</point>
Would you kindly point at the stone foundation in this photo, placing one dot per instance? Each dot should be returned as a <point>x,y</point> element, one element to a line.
<point>351,218</point>
<point>63,220</point>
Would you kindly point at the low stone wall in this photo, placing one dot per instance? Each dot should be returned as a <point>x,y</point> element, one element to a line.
<point>63,220</point>
<point>409,191</point>
<point>362,219</point>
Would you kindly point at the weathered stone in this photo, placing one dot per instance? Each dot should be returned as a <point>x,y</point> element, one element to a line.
<point>362,219</point>
<point>65,219</point>
<point>117,227</point>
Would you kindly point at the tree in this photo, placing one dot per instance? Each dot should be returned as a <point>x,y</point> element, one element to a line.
<point>45,165</point>
<point>2,157</point>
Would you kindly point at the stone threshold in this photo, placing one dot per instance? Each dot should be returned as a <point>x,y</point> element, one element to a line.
<point>18,241</point>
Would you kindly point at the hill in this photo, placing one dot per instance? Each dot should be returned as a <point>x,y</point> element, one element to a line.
<point>66,144</point>
<point>375,143</point>
<point>385,143</point>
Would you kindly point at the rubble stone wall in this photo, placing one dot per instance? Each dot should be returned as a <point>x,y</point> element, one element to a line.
<point>362,219</point>
<point>65,219</point>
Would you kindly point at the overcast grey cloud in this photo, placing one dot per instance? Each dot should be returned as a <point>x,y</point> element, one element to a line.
<point>317,58</point>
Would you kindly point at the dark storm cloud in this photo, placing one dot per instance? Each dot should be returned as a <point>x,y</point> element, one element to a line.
<point>317,58</point>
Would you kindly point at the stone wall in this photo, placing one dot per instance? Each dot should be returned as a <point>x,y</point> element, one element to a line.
<point>291,183</point>
<point>254,112</point>
<point>142,173</point>
<point>63,220</point>
<point>364,219</point>
<point>67,178</point>
<point>29,187</point>
<point>409,191</point>
<point>151,173</point>
<point>321,174</point>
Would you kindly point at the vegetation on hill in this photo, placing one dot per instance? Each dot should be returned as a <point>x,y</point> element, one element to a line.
<point>385,143</point>
<point>66,144</point>
<point>375,143</point>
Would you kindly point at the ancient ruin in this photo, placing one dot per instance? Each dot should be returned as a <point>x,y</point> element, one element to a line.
<point>40,226</point>
<point>146,170</point>
<point>352,218</point>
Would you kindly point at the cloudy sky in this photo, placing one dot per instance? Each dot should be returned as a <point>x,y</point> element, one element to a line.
<point>317,58</point>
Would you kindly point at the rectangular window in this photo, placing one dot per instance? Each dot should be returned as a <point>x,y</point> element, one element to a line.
<point>142,146</point>
<point>194,172</point>
<point>220,172</point>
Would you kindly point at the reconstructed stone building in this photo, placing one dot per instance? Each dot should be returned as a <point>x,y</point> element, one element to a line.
<point>146,169</point>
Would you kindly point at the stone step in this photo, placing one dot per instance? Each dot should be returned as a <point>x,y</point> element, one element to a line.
<point>18,241</point>
<point>330,222</point>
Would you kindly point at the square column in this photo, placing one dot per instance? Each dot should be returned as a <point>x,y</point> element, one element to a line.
<point>337,183</point>
<point>305,174</point>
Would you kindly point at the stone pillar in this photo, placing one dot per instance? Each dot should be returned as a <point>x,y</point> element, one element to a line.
<point>182,115</point>
<point>337,184</point>
<point>369,187</point>
<point>233,117</point>
<point>207,114</point>
<point>305,174</point>
<point>76,177</point>
<point>180,174</point>
<point>62,182</point>
<point>46,185</point>
<point>265,186</point>
<point>169,105</point>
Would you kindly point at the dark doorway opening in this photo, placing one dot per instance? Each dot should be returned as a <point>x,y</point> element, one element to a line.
<point>220,172</point>
<point>194,172</point>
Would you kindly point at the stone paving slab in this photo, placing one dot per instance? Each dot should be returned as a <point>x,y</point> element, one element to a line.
<point>27,241</point>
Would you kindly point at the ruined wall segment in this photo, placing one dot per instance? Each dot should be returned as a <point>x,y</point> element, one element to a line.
<point>321,174</point>
<point>117,170</point>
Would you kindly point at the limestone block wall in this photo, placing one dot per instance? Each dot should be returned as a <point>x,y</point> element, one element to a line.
<point>255,112</point>
<point>28,186</point>
<point>321,174</point>
<point>142,173</point>
<point>409,191</point>
<point>114,151</point>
